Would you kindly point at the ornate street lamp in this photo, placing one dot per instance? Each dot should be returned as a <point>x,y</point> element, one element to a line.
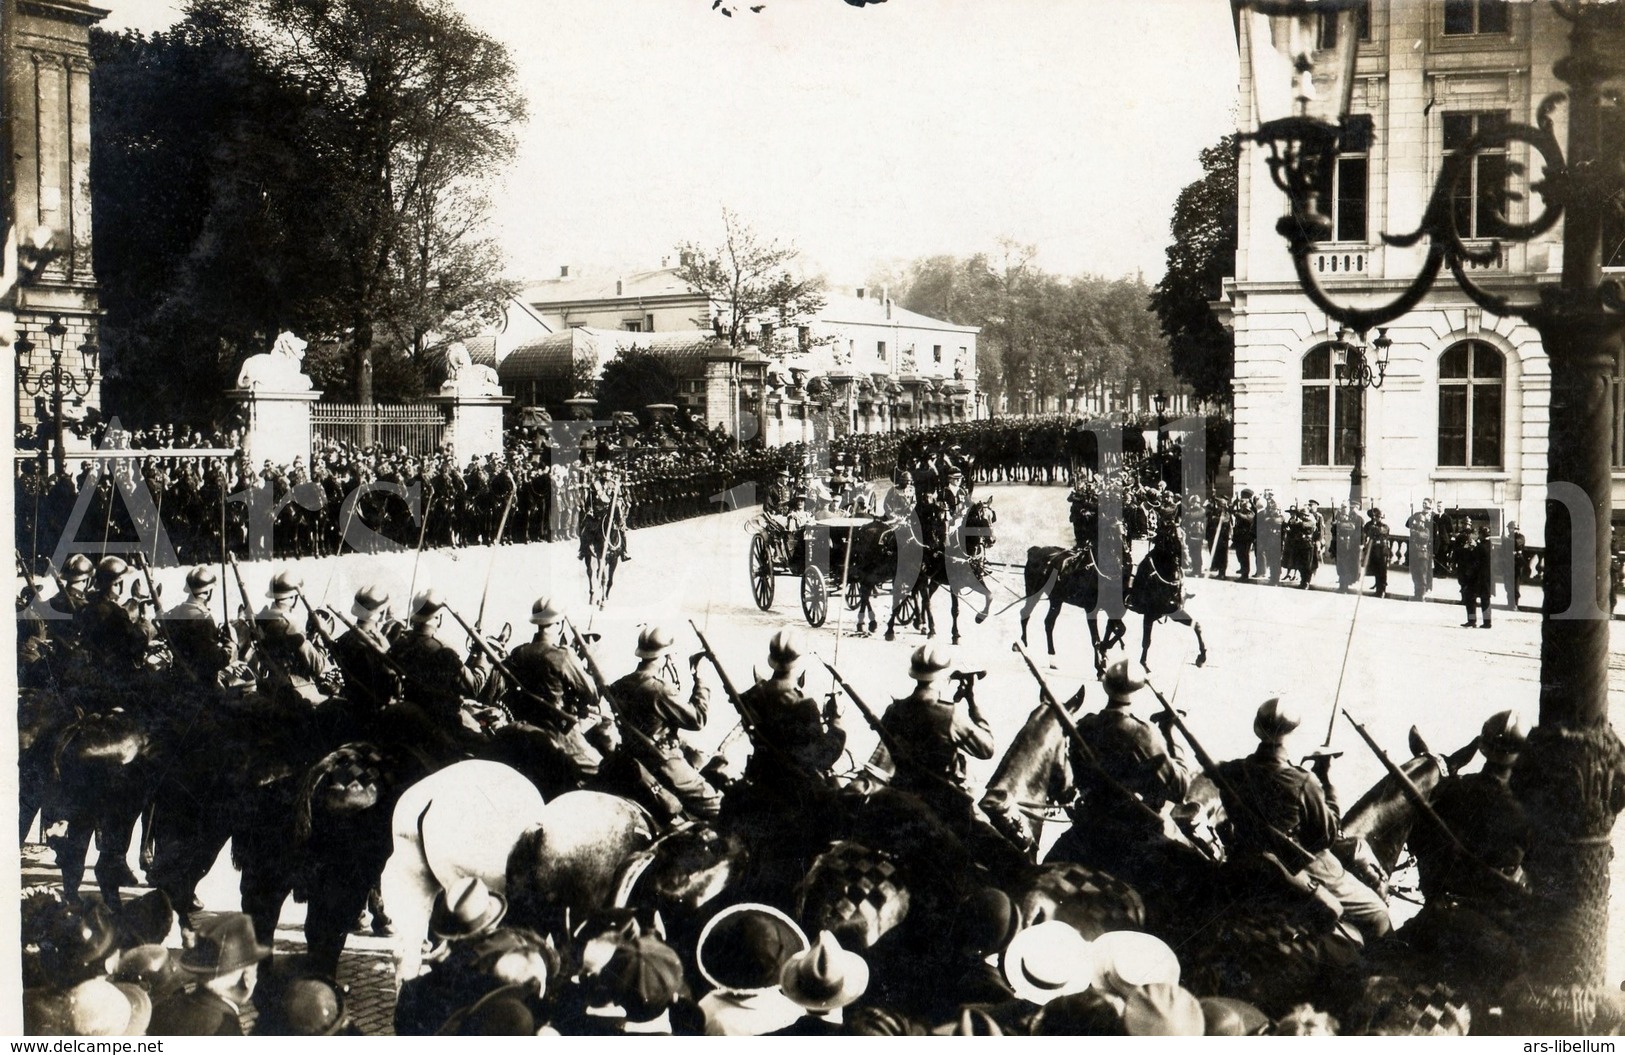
<point>60,382</point>
<point>1159,401</point>
<point>1354,370</point>
<point>1571,775</point>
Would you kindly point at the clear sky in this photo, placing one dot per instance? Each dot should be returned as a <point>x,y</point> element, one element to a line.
<point>866,136</point>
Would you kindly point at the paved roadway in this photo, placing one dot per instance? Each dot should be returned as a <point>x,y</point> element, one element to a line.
<point>1398,663</point>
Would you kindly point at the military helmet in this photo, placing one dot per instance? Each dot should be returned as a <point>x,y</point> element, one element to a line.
<point>655,641</point>
<point>110,570</point>
<point>1275,720</point>
<point>368,600</point>
<point>77,568</point>
<point>1122,680</point>
<point>544,612</point>
<point>785,649</point>
<point>284,584</point>
<point>426,605</point>
<point>200,578</point>
<point>929,662</point>
<point>1502,737</point>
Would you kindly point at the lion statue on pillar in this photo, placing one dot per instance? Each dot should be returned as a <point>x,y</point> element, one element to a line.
<point>279,370</point>
<point>465,377</point>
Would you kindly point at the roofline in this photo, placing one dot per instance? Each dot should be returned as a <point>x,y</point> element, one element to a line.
<point>551,306</point>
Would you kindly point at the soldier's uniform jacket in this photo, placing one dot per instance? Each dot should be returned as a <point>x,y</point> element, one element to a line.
<point>899,504</point>
<point>291,665</point>
<point>937,735</point>
<point>437,678</point>
<point>1129,749</point>
<point>656,708</point>
<point>778,500</point>
<point>368,681</point>
<point>554,674</point>
<point>194,638</point>
<point>1287,797</point>
<point>789,723</point>
<point>113,639</point>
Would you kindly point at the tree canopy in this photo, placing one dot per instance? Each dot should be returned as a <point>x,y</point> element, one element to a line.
<point>1202,256</point>
<point>633,379</point>
<point>1043,336</point>
<point>751,278</point>
<point>319,165</point>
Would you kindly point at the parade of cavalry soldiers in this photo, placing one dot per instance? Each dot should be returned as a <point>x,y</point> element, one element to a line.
<point>528,827</point>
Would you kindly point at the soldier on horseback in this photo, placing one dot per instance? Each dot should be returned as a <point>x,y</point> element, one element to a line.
<point>369,683</point>
<point>939,734</point>
<point>75,579</point>
<point>194,637</point>
<point>111,627</point>
<point>545,668</point>
<point>437,678</point>
<point>1109,831</point>
<point>651,703</point>
<point>788,724</point>
<point>287,666</point>
<point>1281,799</point>
<point>606,505</point>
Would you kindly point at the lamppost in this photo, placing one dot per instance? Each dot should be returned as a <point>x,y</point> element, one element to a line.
<point>1571,774</point>
<point>59,382</point>
<point>1159,401</point>
<point>1356,372</point>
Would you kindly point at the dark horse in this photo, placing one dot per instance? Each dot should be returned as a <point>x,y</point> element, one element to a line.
<point>1158,592</point>
<point>919,556</point>
<point>1075,577</point>
<point>956,558</point>
<point>602,538</point>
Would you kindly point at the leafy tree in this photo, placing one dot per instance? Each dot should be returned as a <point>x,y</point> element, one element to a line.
<point>750,279</point>
<point>1202,255</point>
<point>633,379</point>
<point>310,164</point>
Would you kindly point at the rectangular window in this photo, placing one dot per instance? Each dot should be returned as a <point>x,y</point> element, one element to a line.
<point>1348,424</point>
<point>1480,196</point>
<point>880,350</point>
<point>1317,413</point>
<point>1452,425</point>
<point>936,353</point>
<point>649,323</point>
<point>1345,190</point>
<point>632,326</point>
<point>1487,426</point>
<point>1328,26</point>
<point>1467,17</point>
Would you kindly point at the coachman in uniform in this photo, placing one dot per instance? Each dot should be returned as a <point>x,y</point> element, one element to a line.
<point>651,702</point>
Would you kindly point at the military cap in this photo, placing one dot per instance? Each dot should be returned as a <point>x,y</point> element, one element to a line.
<point>929,662</point>
<point>1275,720</point>
<point>426,605</point>
<point>368,600</point>
<point>655,641</point>
<point>1122,680</point>
<point>285,583</point>
<point>785,649</point>
<point>200,578</point>
<point>545,613</point>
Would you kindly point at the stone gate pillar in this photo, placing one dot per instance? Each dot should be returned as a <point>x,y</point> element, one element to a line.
<point>473,400</point>
<point>276,394</point>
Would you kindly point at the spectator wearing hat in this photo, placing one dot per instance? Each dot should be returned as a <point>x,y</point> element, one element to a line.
<point>370,685</point>
<point>438,679</point>
<point>1290,800</point>
<point>1161,1009</point>
<point>152,968</point>
<point>1225,1016</point>
<point>630,983</point>
<point>1044,962</point>
<point>794,744</point>
<point>936,735</point>
<point>294,1000</point>
<point>224,961</point>
<point>95,1007</point>
<point>981,929</point>
<point>650,701</point>
<point>479,955</point>
<point>741,954</point>
<point>544,667</point>
<point>194,636</point>
<point>823,980</point>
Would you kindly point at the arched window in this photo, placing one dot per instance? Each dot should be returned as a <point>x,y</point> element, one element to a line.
<point>1331,413</point>
<point>1472,376</point>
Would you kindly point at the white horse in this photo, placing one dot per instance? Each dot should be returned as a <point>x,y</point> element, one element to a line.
<point>460,821</point>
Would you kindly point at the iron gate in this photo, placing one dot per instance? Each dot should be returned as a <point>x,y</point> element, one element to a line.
<point>418,427</point>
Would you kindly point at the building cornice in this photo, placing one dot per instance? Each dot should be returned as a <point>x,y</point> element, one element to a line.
<point>63,11</point>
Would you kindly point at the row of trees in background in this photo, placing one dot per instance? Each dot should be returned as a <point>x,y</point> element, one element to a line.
<point>315,165</point>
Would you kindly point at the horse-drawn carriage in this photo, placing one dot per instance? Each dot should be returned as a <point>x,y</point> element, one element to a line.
<point>817,552</point>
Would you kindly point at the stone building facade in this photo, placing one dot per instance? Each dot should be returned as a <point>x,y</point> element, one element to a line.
<point>47,145</point>
<point>1462,416</point>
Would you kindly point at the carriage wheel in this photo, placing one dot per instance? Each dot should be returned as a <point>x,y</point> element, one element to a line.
<point>761,573</point>
<point>908,609</point>
<point>853,595</point>
<point>814,596</point>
